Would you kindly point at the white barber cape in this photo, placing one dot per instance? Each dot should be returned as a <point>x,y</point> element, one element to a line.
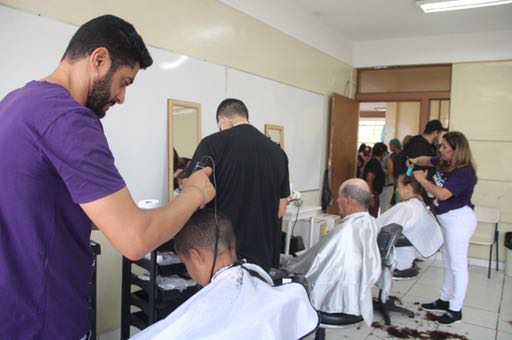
<point>342,268</point>
<point>238,305</point>
<point>419,225</point>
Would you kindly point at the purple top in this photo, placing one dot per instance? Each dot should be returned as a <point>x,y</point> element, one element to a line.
<point>54,156</point>
<point>460,182</point>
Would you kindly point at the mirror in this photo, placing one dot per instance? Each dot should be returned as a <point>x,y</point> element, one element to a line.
<point>183,135</point>
<point>275,133</point>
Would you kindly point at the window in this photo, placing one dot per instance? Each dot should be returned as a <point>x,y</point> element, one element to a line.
<point>371,130</point>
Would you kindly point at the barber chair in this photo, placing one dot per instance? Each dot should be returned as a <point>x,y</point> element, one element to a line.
<point>335,320</point>
<point>327,320</point>
<point>281,277</point>
<point>406,273</point>
<point>386,240</point>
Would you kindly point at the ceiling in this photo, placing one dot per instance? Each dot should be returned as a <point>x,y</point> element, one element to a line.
<point>367,33</point>
<point>362,20</point>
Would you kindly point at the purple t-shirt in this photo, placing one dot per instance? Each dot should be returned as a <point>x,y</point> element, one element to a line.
<point>54,156</point>
<point>460,182</point>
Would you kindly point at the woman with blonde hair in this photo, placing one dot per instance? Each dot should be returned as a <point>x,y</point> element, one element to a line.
<point>455,180</point>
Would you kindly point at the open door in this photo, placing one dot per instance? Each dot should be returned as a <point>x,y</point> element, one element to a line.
<point>344,124</point>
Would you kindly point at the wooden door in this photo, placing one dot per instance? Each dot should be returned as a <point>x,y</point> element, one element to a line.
<point>343,128</point>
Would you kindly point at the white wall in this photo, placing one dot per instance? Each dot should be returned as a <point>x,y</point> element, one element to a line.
<point>407,119</point>
<point>448,48</point>
<point>481,108</point>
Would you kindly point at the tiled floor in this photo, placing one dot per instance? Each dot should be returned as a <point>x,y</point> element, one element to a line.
<point>487,313</point>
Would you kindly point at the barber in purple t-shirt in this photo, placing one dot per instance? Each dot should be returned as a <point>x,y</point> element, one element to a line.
<point>455,180</point>
<point>57,175</point>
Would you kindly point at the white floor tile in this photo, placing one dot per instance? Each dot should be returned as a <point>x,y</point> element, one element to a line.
<point>483,299</point>
<point>428,293</point>
<point>503,336</point>
<point>401,287</point>
<point>505,324</point>
<point>479,317</point>
<point>470,331</point>
<point>358,332</point>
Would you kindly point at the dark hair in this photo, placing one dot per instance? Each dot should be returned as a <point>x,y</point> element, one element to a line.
<point>379,149</point>
<point>231,107</point>
<point>411,180</point>
<point>200,231</point>
<point>362,147</point>
<point>363,197</point>
<point>433,126</point>
<point>119,37</point>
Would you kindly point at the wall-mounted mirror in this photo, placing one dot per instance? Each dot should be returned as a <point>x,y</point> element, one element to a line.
<point>183,136</point>
<point>275,133</point>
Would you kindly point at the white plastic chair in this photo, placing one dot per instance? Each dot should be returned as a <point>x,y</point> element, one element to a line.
<point>486,233</point>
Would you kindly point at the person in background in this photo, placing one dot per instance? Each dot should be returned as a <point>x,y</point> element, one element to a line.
<point>406,139</point>
<point>374,175</point>
<point>251,172</point>
<point>455,179</point>
<point>387,191</point>
<point>361,159</point>
<point>238,300</point>
<point>395,146</point>
<point>58,166</point>
<point>441,134</point>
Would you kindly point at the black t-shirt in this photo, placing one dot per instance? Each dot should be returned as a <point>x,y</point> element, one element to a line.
<point>374,166</point>
<point>251,172</point>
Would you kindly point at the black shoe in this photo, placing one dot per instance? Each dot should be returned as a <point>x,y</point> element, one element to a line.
<point>436,305</point>
<point>406,273</point>
<point>450,317</point>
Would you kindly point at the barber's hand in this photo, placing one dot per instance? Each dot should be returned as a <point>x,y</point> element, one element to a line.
<point>420,175</point>
<point>200,183</point>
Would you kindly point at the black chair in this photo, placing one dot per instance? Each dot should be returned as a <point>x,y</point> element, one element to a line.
<point>327,320</point>
<point>386,240</point>
<point>406,273</point>
<point>335,320</point>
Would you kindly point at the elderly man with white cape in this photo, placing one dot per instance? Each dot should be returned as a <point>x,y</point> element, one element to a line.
<point>342,268</point>
<point>239,301</point>
<point>419,224</point>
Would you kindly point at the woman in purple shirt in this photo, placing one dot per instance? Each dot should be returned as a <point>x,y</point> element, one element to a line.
<point>455,180</point>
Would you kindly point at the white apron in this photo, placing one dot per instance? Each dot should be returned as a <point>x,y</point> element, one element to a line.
<point>342,268</point>
<point>237,305</point>
<point>419,225</point>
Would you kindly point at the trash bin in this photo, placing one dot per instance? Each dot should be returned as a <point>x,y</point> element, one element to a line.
<point>508,253</point>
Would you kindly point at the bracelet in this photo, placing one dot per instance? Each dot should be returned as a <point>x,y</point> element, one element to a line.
<point>197,188</point>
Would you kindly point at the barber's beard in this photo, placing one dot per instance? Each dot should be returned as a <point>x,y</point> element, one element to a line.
<point>99,98</point>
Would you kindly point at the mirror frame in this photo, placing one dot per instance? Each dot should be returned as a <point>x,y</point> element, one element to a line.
<point>270,127</point>
<point>170,135</point>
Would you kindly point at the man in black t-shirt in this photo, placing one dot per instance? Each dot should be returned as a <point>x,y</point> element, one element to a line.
<point>421,145</point>
<point>374,175</point>
<point>251,173</point>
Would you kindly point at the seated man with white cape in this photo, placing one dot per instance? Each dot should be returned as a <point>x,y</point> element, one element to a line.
<point>342,268</point>
<point>419,224</point>
<point>239,301</point>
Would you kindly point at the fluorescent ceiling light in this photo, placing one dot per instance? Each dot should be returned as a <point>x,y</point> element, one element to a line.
<point>429,6</point>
